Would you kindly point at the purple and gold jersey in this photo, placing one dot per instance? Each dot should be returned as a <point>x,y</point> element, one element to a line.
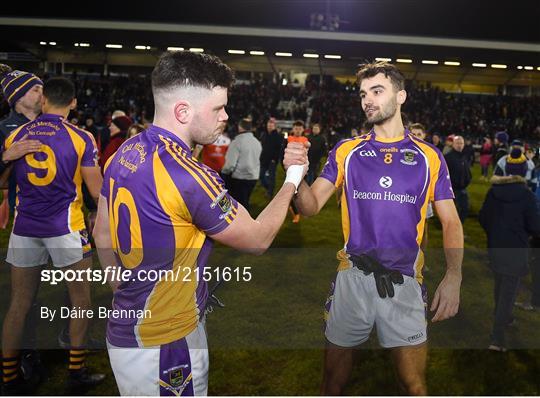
<point>49,196</point>
<point>162,205</point>
<point>387,186</point>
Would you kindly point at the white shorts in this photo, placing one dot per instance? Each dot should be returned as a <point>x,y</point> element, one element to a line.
<point>177,368</point>
<point>354,307</point>
<point>65,250</point>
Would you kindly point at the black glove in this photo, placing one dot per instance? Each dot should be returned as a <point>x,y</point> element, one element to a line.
<point>384,278</point>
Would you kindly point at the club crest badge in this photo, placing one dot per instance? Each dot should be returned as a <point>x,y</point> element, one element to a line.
<point>409,157</point>
<point>176,377</point>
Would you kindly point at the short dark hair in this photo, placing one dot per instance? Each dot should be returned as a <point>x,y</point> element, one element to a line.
<point>298,123</point>
<point>186,68</point>
<point>418,126</point>
<point>368,70</point>
<point>59,91</point>
<point>245,124</point>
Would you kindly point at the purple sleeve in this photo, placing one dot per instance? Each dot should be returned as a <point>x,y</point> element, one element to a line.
<point>443,185</point>
<point>330,170</point>
<point>211,207</point>
<point>105,185</point>
<point>90,154</point>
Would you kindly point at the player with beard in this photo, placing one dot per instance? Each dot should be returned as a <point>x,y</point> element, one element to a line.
<point>160,209</point>
<point>388,177</point>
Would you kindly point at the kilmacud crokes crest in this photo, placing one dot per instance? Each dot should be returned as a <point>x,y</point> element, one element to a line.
<point>176,377</point>
<point>409,157</point>
<point>223,202</point>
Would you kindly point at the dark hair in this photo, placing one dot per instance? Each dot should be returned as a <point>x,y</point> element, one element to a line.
<point>59,91</point>
<point>298,123</point>
<point>368,70</point>
<point>185,68</point>
<point>245,124</point>
<point>418,126</point>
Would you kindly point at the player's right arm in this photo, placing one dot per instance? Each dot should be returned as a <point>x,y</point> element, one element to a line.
<point>255,236</point>
<point>310,200</point>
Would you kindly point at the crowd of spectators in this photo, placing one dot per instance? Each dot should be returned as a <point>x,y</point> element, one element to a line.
<point>334,105</point>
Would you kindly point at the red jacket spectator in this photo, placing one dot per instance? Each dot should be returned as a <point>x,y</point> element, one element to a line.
<point>119,129</point>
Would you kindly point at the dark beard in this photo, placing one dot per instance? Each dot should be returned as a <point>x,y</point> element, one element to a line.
<point>386,113</point>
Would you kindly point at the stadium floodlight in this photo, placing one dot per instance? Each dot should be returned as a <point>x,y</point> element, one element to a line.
<point>196,50</point>
<point>529,68</point>
<point>76,44</point>
<point>479,65</point>
<point>538,68</point>
<point>84,44</point>
<point>310,55</point>
<point>404,60</point>
<point>332,56</point>
<point>520,67</point>
<point>499,66</point>
<point>43,43</point>
<point>255,52</point>
<point>175,48</point>
<point>430,62</point>
<point>281,54</point>
<point>452,63</point>
<point>383,59</point>
<point>142,47</point>
<point>52,43</point>
<point>238,52</point>
<point>113,46</point>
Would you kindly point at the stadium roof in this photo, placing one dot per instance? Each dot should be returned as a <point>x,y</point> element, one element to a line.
<point>473,32</point>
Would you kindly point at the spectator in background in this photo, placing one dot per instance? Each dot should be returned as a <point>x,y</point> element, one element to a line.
<point>486,153</point>
<point>460,175</point>
<point>297,135</point>
<point>501,163</point>
<point>468,150</point>
<point>272,147</point>
<point>90,126</point>
<point>119,129</point>
<point>242,163</point>
<point>436,140</point>
<point>213,155</point>
<point>354,132</point>
<point>449,143</point>
<point>509,216</point>
<point>501,146</point>
<point>317,150</point>
<point>135,129</point>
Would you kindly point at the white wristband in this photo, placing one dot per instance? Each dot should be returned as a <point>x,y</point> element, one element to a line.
<point>295,173</point>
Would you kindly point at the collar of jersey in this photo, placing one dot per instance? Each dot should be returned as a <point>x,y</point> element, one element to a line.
<point>389,140</point>
<point>155,130</point>
<point>50,116</point>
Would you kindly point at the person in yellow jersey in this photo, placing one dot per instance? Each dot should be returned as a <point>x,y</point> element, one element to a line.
<point>49,222</point>
<point>160,209</point>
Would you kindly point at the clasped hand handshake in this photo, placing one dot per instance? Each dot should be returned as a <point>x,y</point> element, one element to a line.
<point>296,162</point>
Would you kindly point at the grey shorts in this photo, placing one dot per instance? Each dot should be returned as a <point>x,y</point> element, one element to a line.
<point>353,307</point>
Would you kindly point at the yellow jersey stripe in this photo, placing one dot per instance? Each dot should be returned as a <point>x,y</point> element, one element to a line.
<point>181,163</point>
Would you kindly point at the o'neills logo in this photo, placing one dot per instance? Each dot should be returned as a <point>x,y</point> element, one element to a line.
<point>387,196</point>
<point>389,150</point>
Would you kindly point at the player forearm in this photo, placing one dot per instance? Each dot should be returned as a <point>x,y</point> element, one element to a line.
<point>453,245</point>
<point>271,218</point>
<point>306,201</point>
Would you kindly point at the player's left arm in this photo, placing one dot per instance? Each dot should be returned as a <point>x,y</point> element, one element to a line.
<point>446,299</point>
